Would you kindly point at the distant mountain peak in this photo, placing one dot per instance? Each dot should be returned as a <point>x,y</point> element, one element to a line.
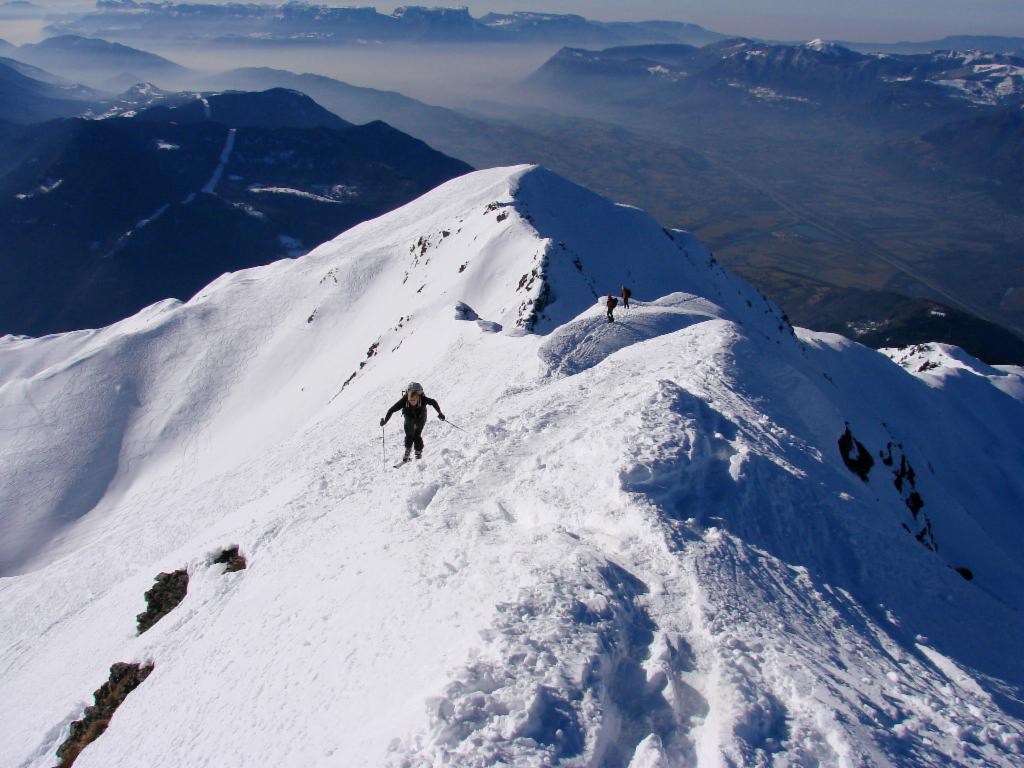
<point>99,62</point>
<point>31,71</point>
<point>408,11</point>
<point>300,22</point>
<point>272,108</point>
<point>29,94</point>
<point>143,89</point>
<point>498,19</point>
<point>92,45</point>
<point>822,46</point>
<point>69,41</point>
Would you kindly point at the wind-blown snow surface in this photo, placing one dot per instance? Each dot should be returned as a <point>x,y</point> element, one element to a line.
<point>642,548</point>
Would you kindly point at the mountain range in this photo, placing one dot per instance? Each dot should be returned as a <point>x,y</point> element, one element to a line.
<point>102,64</point>
<point>813,75</point>
<point>994,43</point>
<point>30,95</point>
<point>304,24</point>
<point>102,217</point>
<point>694,536</point>
<point>17,9</point>
<point>877,318</point>
<point>316,25</point>
<point>486,141</point>
<point>70,76</point>
<point>817,160</point>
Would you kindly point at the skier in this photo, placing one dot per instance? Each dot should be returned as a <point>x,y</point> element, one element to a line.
<point>626,293</point>
<point>610,303</point>
<point>413,406</point>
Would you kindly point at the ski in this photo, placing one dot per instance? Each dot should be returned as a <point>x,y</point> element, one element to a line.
<point>408,461</point>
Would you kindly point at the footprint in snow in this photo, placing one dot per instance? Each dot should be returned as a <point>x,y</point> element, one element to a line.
<point>419,500</point>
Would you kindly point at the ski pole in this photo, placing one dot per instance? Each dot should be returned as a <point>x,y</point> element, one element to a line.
<point>452,425</point>
<point>383,448</point>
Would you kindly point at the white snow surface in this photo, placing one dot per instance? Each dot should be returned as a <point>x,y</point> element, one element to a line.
<point>43,189</point>
<point>259,189</point>
<point>225,155</point>
<point>633,544</point>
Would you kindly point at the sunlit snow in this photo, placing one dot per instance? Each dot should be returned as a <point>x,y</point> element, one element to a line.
<point>638,543</point>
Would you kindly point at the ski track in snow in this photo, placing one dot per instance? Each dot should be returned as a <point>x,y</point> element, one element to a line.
<point>210,188</point>
<point>644,549</point>
<point>229,145</point>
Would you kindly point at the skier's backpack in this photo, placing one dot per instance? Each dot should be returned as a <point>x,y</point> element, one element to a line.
<point>612,302</point>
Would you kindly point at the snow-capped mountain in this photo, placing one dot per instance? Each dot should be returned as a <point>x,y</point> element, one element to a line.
<point>527,26</point>
<point>995,43</point>
<point>817,73</point>
<point>980,77</point>
<point>306,23</point>
<point>694,536</point>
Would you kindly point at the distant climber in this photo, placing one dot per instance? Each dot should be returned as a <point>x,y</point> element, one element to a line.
<point>626,293</point>
<point>413,406</point>
<point>611,302</point>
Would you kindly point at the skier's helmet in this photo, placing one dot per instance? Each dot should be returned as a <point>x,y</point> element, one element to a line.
<point>414,386</point>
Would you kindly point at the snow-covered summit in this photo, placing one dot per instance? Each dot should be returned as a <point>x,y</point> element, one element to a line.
<point>525,249</point>
<point>942,361</point>
<point>689,537</point>
<point>826,47</point>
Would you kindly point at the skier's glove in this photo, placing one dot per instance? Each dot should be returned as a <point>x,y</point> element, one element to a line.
<point>440,416</point>
<point>382,422</point>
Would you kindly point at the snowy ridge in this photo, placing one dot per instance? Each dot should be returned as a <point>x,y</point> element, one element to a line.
<point>984,78</point>
<point>943,361</point>
<point>649,546</point>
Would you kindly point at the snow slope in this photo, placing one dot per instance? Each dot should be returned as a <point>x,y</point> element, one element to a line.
<point>634,544</point>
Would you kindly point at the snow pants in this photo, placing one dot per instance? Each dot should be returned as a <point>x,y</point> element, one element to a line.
<point>414,431</point>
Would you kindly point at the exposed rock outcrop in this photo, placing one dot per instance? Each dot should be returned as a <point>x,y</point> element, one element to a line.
<point>124,678</point>
<point>233,561</point>
<point>168,591</point>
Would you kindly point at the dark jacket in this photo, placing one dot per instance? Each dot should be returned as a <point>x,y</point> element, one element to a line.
<point>415,413</point>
